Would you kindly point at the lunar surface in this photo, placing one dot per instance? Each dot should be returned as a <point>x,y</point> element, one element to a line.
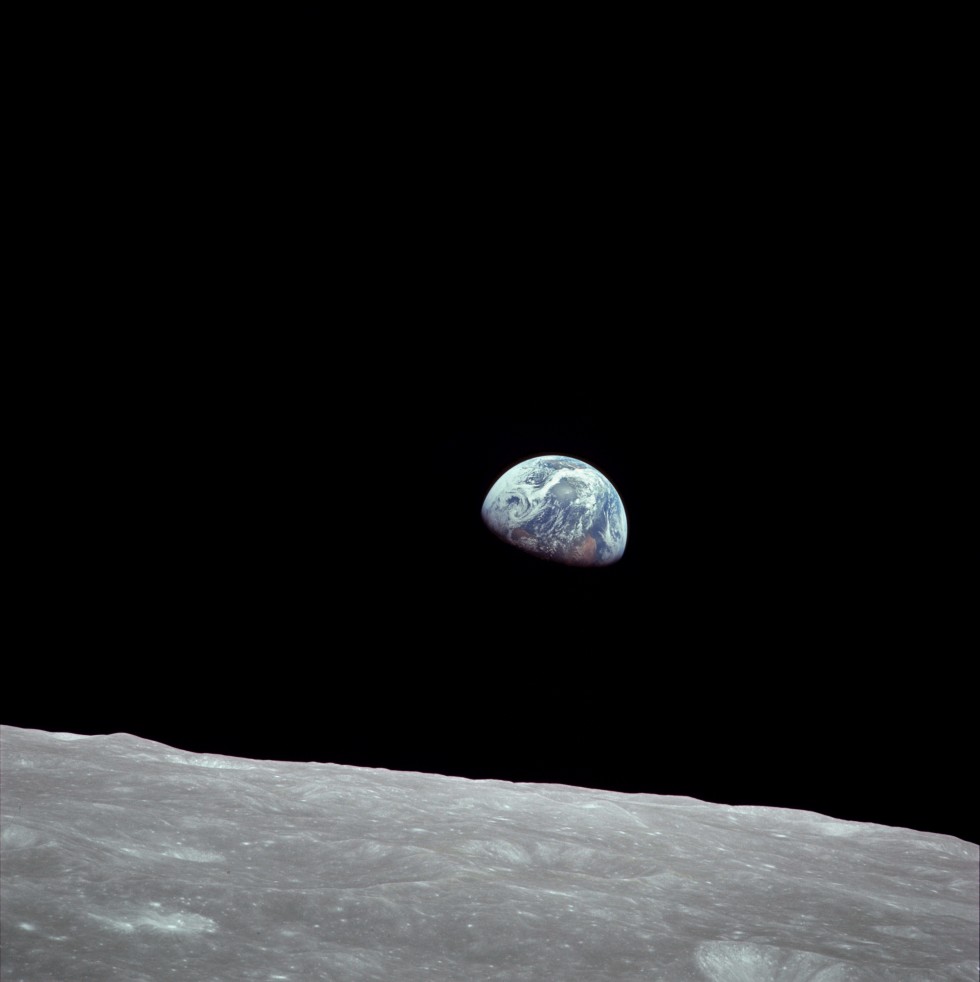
<point>558,508</point>
<point>124,859</point>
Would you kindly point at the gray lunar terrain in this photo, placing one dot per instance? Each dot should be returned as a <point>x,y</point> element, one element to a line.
<point>125,859</point>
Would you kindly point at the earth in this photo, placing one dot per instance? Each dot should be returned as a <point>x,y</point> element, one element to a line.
<point>558,508</point>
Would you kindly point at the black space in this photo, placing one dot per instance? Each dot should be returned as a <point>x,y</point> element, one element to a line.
<point>283,557</point>
<point>281,347</point>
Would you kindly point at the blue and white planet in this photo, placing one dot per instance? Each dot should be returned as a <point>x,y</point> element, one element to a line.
<point>558,508</point>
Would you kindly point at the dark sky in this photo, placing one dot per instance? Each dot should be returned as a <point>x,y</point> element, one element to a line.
<point>259,563</point>
<point>251,498</point>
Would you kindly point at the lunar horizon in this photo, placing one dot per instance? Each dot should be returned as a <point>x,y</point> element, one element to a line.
<point>126,858</point>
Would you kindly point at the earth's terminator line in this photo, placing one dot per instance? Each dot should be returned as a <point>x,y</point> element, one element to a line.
<point>558,508</point>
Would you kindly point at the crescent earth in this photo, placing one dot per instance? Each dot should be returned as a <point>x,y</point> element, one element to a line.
<point>558,508</point>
